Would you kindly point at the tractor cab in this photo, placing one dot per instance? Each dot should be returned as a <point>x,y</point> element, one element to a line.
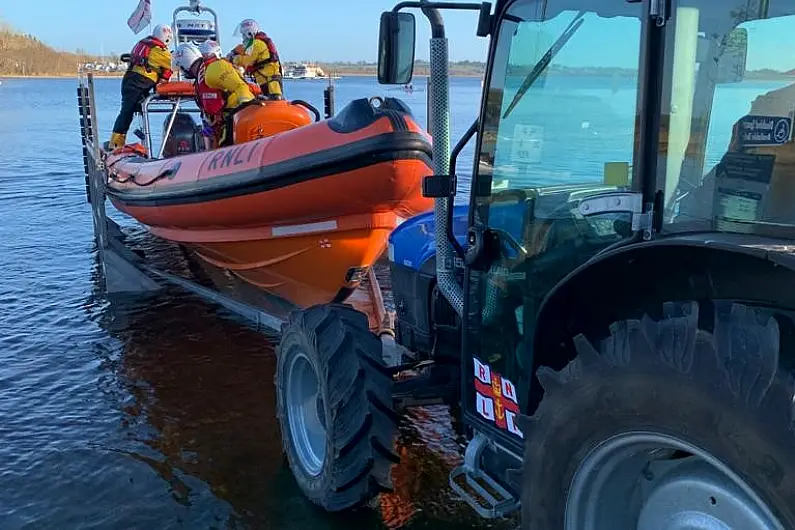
<point>629,157</point>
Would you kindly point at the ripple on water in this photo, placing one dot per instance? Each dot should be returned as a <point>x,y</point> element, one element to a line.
<point>150,413</point>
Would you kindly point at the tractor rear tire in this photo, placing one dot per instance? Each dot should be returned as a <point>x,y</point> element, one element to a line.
<point>329,350</point>
<point>722,386</point>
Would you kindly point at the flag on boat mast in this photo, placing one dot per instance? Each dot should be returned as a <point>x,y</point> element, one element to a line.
<point>141,17</point>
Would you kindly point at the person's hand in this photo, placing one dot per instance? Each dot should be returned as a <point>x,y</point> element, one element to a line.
<point>237,50</point>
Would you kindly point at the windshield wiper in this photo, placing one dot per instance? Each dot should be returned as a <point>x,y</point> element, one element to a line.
<point>542,64</point>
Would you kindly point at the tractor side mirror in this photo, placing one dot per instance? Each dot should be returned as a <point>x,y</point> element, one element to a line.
<point>733,55</point>
<point>396,48</point>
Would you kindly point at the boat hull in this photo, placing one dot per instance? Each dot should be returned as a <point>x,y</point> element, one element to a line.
<point>299,215</point>
<point>305,264</point>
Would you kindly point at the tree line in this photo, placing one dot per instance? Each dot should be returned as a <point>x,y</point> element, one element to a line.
<point>22,54</point>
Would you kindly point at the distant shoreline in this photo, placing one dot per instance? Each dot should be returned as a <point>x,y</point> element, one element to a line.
<point>119,75</point>
<point>750,76</point>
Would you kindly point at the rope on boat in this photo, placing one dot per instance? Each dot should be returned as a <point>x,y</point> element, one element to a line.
<point>168,172</point>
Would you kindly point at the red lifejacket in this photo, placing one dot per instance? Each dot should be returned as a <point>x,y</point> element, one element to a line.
<point>261,36</point>
<point>140,54</point>
<point>212,100</point>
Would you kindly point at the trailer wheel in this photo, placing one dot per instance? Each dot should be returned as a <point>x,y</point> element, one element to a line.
<point>675,423</point>
<point>334,397</point>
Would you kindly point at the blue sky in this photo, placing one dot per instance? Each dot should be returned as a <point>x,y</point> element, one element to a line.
<point>303,29</point>
<point>321,30</point>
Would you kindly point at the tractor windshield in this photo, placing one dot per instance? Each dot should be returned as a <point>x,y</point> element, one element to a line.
<point>727,153</point>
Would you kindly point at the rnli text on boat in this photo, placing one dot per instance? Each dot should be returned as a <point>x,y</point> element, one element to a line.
<point>232,157</point>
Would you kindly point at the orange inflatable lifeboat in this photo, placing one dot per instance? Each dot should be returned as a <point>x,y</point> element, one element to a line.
<point>298,209</point>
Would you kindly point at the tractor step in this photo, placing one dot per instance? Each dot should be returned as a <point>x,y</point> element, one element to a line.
<point>484,494</point>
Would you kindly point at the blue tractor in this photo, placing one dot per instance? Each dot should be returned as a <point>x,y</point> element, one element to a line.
<point>611,311</point>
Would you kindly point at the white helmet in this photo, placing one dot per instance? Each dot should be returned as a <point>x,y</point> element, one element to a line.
<point>210,48</point>
<point>163,33</point>
<point>185,56</point>
<point>247,29</point>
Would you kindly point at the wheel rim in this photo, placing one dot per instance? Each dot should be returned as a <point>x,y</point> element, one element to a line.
<point>644,481</point>
<point>306,414</point>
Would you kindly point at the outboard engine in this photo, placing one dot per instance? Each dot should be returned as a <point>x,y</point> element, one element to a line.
<point>185,137</point>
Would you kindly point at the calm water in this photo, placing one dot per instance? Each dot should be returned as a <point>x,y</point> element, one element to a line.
<point>153,413</point>
<point>158,413</point>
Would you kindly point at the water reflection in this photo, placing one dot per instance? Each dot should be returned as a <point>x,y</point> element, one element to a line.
<point>196,400</point>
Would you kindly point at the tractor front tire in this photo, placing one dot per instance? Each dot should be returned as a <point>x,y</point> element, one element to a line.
<point>334,397</point>
<point>708,405</point>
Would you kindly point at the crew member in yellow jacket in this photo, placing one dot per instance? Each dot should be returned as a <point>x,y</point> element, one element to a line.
<point>150,63</point>
<point>258,56</point>
<point>220,89</point>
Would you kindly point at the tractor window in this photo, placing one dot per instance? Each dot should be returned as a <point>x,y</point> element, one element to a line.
<point>559,127</point>
<point>729,155</point>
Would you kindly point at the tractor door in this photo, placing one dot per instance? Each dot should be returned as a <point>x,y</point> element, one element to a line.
<point>553,182</point>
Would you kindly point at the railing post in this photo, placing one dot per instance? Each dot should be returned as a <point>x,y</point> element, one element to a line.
<point>328,99</point>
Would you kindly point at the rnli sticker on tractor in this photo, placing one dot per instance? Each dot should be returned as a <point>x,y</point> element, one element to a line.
<point>756,131</point>
<point>495,398</point>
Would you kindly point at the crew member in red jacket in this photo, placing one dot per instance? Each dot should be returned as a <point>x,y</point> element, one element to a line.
<point>150,63</point>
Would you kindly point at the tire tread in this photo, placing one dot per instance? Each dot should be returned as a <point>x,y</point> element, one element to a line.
<point>359,387</point>
<point>739,358</point>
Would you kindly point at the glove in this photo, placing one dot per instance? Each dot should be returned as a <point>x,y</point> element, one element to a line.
<point>167,75</point>
<point>237,50</point>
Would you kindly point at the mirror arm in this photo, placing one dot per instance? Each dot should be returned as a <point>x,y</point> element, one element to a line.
<point>435,19</point>
<point>430,9</point>
<point>438,5</point>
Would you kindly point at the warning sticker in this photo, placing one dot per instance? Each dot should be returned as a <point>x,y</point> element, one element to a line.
<point>757,131</point>
<point>740,167</point>
<point>742,181</point>
<point>495,398</point>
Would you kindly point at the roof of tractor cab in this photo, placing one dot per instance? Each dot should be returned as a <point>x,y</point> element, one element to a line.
<point>612,8</point>
<point>605,9</point>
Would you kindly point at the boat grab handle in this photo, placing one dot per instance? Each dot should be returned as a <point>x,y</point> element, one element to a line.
<point>308,106</point>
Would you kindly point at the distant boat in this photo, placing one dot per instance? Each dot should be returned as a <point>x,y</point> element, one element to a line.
<point>305,71</point>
